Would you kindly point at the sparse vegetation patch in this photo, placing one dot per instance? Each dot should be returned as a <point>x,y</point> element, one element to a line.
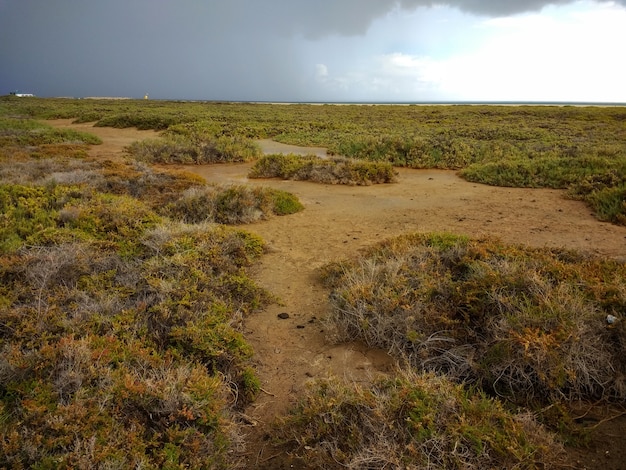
<point>321,170</point>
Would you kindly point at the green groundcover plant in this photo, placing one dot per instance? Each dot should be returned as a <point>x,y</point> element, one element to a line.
<point>413,421</point>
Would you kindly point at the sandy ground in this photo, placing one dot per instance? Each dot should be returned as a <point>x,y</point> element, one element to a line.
<point>337,222</point>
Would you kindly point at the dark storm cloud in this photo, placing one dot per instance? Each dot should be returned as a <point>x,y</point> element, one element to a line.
<point>315,19</point>
<point>213,49</point>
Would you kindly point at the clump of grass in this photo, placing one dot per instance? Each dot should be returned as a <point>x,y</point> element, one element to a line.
<point>522,323</point>
<point>320,170</point>
<point>25,132</point>
<point>235,204</point>
<point>442,150</point>
<point>605,192</point>
<point>413,421</point>
<point>182,150</point>
<point>141,119</point>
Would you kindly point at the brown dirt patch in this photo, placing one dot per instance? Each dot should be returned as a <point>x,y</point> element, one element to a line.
<point>337,222</point>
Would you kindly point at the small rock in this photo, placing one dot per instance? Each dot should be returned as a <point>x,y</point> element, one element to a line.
<point>300,327</point>
<point>283,316</point>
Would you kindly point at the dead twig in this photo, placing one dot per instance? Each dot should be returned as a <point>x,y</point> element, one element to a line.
<point>267,393</point>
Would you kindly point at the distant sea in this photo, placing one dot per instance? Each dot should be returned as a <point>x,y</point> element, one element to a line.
<point>450,103</point>
<point>387,103</point>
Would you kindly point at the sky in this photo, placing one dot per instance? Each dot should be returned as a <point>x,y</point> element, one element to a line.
<point>316,50</point>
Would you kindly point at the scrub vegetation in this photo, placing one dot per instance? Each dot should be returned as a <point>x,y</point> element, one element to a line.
<point>491,340</point>
<point>414,420</point>
<point>529,325</point>
<point>124,286</point>
<point>321,170</point>
<point>121,300</point>
<point>581,149</point>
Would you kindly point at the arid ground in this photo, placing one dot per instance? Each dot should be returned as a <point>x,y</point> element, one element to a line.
<point>337,222</point>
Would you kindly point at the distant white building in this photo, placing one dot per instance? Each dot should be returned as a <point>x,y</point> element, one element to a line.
<point>21,95</point>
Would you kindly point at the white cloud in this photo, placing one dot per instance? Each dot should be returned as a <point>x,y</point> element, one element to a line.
<point>568,53</point>
<point>321,72</point>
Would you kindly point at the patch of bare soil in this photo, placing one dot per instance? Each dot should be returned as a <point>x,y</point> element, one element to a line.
<point>337,222</point>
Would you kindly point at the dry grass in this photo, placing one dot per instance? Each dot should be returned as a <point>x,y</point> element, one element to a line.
<point>526,324</point>
<point>412,421</point>
<point>234,204</point>
<point>320,170</point>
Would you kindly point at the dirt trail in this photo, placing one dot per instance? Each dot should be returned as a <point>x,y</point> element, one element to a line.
<point>337,222</point>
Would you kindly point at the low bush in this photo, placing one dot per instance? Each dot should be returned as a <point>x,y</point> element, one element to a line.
<point>156,187</point>
<point>522,323</point>
<point>183,150</point>
<point>558,173</point>
<point>24,132</point>
<point>609,204</point>
<point>605,192</point>
<point>235,204</point>
<point>443,150</point>
<point>412,421</point>
<point>320,170</point>
<point>142,120</point>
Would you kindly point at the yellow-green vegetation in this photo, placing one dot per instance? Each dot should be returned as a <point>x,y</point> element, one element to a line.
<point>120,295</point>
<point>187,150</point>
<point>235,204</point>
<point>529,325</point>
<point>119,326</point>
<point>490,337</point>
<point>413,421</point>
<point>582,149</point>
<point>323,170</point>
<point>26,132</point>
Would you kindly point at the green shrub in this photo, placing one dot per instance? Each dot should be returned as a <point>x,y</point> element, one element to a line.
<point>438,151</point>
<point>604,192</point>
<point>234,204</point>
<point>526,324</point>
<point>610,204</point>
<point>183,150</point>
<point>412,421</point>
<point>320,170</point>
<point>285,203</point>
<point>141,120</point>
<point>30,133</point>
<point>558,173</point>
